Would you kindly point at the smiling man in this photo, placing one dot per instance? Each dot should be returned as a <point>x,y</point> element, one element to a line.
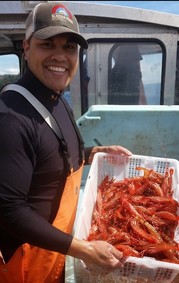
<point>40,172</point>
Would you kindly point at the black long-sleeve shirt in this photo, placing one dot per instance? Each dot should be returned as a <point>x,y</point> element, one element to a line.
<point>32,171</point>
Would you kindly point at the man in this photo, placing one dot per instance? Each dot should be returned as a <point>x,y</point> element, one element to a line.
<point>40,173</point>
<point>125,82</point>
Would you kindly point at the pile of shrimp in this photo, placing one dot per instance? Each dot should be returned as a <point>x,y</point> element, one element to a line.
<point>138,215</point>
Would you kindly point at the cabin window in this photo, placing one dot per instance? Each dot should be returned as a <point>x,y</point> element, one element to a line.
<point>128,73</point>
<point>9,69</point>
<point>134,73</point>
<point>177,79</point>
<point>67,95</point>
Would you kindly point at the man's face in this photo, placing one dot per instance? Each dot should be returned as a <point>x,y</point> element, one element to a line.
<point>53,61</point>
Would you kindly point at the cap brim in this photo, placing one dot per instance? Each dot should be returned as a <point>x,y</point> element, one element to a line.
<point>55,30</point>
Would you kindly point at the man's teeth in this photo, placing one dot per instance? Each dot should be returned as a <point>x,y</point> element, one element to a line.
<point>57,69</point>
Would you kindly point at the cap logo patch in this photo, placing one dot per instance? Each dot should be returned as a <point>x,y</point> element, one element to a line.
<point>59,12</point>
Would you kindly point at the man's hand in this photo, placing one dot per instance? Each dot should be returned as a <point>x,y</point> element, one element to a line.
<point>98,256</point>
<point>112,149</point>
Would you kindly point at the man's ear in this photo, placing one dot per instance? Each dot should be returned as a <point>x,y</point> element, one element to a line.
<point>26,48</point>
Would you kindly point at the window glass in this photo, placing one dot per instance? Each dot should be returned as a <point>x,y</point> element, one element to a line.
<point>177,79</point>
<point>67,95</point>
<point>122,73</point>
<point>9,69</point>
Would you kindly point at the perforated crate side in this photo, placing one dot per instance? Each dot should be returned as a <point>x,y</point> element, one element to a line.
<point>120,167</point>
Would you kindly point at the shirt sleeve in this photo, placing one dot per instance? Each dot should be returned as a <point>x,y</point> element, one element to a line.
<point>17,151</point>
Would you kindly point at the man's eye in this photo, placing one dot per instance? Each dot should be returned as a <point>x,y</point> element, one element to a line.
<point>72,46</point>
<point>47,44</point>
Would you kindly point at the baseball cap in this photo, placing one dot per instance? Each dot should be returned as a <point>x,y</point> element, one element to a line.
<point>50,19</point>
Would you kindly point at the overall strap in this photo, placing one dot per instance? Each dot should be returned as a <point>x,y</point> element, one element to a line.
<point>80,139</point>
<point>43,111</point>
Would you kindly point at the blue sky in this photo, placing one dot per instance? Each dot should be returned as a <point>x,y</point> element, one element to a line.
<point>163,6</point>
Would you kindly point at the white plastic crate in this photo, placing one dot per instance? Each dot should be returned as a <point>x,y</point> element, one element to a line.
<point>120,167</point>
